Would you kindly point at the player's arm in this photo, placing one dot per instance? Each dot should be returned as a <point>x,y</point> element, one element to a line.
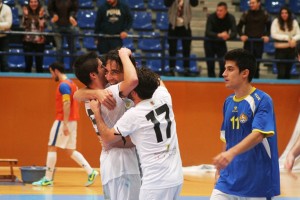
<point>291,156</point>
<point>130,76</point>
<point>107,135</point>
<point>105,97</point>
<point>65,90</point>
<point>223,159</point>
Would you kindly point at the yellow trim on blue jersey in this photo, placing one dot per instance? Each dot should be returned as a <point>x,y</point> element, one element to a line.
<point>242,98</point>
<point>267,134</point>
<point>66,97</point>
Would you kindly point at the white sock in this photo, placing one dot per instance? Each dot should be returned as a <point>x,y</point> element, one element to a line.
<point>78,157</point>
<point>51,161</point>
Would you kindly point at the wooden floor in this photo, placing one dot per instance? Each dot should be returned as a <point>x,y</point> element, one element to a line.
<point>70,181</point>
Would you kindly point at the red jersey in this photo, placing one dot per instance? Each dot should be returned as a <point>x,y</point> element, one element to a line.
<point>66,87</point>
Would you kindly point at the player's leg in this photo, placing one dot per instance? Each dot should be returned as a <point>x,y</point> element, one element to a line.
<point>70,147</point>
<point>51,155</point>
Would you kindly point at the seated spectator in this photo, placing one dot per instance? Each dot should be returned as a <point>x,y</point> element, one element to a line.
<point>285,30</point>
<point>34,21</point>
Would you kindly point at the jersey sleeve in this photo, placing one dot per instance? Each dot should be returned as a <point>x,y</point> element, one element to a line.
<point>264,120</point>
<point>127,124</point>
<point>64,88</point>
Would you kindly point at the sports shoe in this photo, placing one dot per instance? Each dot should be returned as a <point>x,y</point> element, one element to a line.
<point>43,182</point>
<point>91,178</point>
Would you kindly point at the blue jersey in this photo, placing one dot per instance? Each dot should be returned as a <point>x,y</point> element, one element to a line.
<point>254,173</point>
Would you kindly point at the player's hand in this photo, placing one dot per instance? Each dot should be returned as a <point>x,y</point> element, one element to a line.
<point>123,35</point>
<point>222,160</point>
<point>292,43</point>
<point>289,162</point>
<point>95,105</point>
<point>66,129</point>
<point>125,51</point>
<point>54,18</point>
<point>106,98</point>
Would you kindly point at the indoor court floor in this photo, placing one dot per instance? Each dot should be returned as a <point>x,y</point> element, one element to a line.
<point>69,185</point>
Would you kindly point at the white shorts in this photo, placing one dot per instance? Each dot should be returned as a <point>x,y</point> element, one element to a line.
<point>57,137</point>
<point>218,195</point>
<point>126,187</point>
<point>161,194</point>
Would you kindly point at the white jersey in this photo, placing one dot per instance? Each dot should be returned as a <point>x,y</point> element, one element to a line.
<point>152,128</point>
<point>116,161</point>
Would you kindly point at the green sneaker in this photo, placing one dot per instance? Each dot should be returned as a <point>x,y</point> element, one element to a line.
<point>43,182</point>
<point>91,178</point>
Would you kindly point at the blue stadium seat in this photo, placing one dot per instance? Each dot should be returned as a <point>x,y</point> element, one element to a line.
<point>15,16</point>
<point>9,2</point>
<point>67,59</point>
<point>154,62</point>
<point>86,4</point>
<point>49,58</point>
<point>193,65</point>
<point>142,20</point>
<point>294,70</point>
<point>128,42</point>
<point>136,4</point>
<point>244,5</point>
<point>86,19</point>
<point>89,43</point>
<point>138,59</point>
<point>295,6</point>
<point>157,5</point>
<point>273,6</point>
<point>269,48</point>
<point>16,60</point>
<point>162,22</point>
<point>149,41</point>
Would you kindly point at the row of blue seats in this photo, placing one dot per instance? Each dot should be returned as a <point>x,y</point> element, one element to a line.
<point>16,61</point>
<point>154,62</point>
<point>273,6</point>
<point>89,4</point>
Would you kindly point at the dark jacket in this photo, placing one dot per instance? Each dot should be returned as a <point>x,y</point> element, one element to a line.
<point>64,9</point>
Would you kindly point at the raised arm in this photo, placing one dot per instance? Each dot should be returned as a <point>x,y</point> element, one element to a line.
<point>130,77</point>
<point>105,97</point>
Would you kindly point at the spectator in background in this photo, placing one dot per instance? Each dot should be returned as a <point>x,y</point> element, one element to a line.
<point>285,31</point>
<point>256,22</point>
<point>5,25</point>
<point>63,18</point>
<point>34,21</point>
<point>113,18</point>
<point>180,15</point>
<point>219,25</point>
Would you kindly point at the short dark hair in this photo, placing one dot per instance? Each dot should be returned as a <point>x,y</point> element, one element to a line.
<point>148,82</point>
<point>222,3</point>
<point>114,55</point>
<point>57,66</point>
<point>244,60</point>
<point>84,65</point>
